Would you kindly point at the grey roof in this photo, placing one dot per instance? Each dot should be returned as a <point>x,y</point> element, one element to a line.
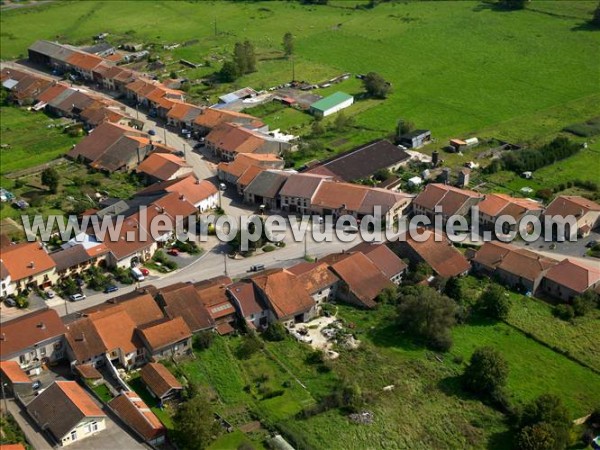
<point>301,185</point>
<point>98,48</point>
<point>70,257</point>
<point>267,183</point>
<point>364,161</point>
<point>10,83</point>
<point>53,50</point>
<point>54,411</point>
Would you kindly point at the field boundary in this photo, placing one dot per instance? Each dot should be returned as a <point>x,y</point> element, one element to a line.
<point>35,169</point>
<point>564,353</point>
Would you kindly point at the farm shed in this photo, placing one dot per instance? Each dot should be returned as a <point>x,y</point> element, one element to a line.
<point>415,139</point>
<point>331,104</point>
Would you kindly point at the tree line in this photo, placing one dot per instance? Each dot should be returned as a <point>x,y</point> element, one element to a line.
<point>533,159</point>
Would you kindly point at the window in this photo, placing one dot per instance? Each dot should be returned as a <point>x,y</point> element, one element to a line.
<point>43,351</point>
<point>22,359</point>
<point>74,435</point>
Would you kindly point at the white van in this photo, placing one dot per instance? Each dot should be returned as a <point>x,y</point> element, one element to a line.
<point>137,274</point>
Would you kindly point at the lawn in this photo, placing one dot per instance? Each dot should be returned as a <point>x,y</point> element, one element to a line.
<point>162,413</point>
<point>578,338</point>
<point>102,391</point>
<point>456,67</point>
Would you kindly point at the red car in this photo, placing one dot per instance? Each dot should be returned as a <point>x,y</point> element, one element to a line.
<point>144,271</point>
<point>173,252</point>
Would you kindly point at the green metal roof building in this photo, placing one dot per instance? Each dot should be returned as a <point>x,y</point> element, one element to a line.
<point>331,104</point>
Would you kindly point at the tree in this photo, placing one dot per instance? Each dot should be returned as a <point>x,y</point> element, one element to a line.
<point>250,345</point>
<point>405,126</point>
<point>512,4</point>
<point>288,44</point>
<point>203,340</point>
<point>229,72</point>
<point>584,303</point>
<point>388,295</point>
<point>486,373</point>
<point>250,56</point>
<point>239,58</point>
<point>494,302</point>
<point>194,424</point>
<point>596,16</point>
<point>317,128</point>
<point>275,332</point>
<point>453,289</point>
<point>50,178</point>
<point>428,315</point>
<point>548,409</point>
<point>376,86</point>
<point>342,122</point>
<point>537,437</point>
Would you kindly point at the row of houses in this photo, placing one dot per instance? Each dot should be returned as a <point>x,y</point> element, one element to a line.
<point>62,100</point>
<point>446,201</point>
<point>28,265</point>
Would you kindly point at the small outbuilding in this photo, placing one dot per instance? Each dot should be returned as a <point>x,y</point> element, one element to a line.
<point>331,104</point>
<point>415,139</point>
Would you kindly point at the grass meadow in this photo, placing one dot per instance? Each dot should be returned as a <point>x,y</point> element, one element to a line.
<point>456,67</point>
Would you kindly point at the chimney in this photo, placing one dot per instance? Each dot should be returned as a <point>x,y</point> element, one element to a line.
<point>41,325</point>
<point>31,265</point>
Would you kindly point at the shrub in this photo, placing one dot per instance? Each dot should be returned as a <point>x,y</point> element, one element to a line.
<point>268,248</point>
<point>275,332</point>
<point>564,312</point>
<point>250,345</point>
<point>486,373</point>
<point>203,340</point>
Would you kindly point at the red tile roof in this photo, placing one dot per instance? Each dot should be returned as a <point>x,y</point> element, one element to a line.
<point>449,198</point>
<point>363,277</point>
<point>384,258</point>
<point>13,372</point>
<point>284,292</point>
<point>135,413</point>
<point>213,294</point>
<point>314,276</point>
<point>182,300</point>
<point>501,204</point>
<point>574,274</point>
<point>165,333</point>
<point>211,117</point>
<point>571,205</point>
<point>234,138</point>
<point>26,259</point>
<point>159,379</point>
<point>441,256</point>
<point>26,331</point>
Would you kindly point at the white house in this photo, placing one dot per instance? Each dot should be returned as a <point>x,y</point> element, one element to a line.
<point>67,413</point>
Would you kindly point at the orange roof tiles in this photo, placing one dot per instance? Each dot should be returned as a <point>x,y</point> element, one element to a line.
<point>84,61</point>
<point>134,412</point>
<point>575,275</point>
<point>363,277</point>
<point>166,333</point>
<point>13,372</point>
<point>284,292</point>
<point>571,205</point>
<point>449,198</point>
<point>159,379</point>
<point>25,331</point>
<point>234,138</point>
<point>26,259</point>
<point>162,165</point>
<point>211,117</point>
<point>497,204</point>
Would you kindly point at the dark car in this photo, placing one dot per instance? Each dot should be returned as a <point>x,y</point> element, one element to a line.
<point>9,301</point>
<point>111,288</point>
<point>79,282</point>
<point>173,252</point>
<point>36,385</point>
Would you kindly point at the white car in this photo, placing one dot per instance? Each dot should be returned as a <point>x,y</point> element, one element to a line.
<point>50,294</point>
<point>76,297</point>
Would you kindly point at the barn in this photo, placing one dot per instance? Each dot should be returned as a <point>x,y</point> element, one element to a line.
<point>331,104</point>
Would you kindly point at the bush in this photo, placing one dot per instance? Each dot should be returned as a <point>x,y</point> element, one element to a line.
<point>268,248</point>
<point>22,301</point>
<point>250,345</point>
<point>203,340</point>
<point>486,373</point>
<point>564,312</point>
<point>188,246</point>
<point>494,302</point>
<point>583,304</point>
<point>275,332</point>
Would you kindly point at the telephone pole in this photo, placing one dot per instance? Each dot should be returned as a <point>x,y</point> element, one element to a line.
<point>165,133</point>
<point>225,263</point>
<point>293,69</point>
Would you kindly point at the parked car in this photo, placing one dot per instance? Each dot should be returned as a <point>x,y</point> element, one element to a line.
<point>79,281</point>
<point>137,274</point>
<point>111,288</point>
<point>173,252</point>
<point>9,301</point>
<point>77,297</point>
<point>36,385</point>
<point>144,271</point>
<point>257,268</point>
<point>50,294</point>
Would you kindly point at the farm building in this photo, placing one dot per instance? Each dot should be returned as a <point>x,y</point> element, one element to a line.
<point>331,104</point>
<point>415,139</point>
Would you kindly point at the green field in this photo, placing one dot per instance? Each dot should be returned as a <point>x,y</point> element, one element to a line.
<point>29,138</point>
<point>456,67</point>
